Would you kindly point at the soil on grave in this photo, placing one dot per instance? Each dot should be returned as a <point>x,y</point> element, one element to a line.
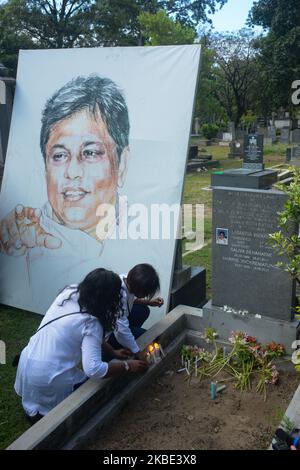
<point>171,414</point>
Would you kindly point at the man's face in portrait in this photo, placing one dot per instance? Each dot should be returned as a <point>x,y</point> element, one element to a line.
<point>82,169</point>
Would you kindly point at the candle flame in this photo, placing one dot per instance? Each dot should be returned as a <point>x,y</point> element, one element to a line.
<point>156,345</point>
<point>150,348</point>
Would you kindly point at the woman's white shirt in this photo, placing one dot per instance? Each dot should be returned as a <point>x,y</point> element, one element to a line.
<point>47,371</point>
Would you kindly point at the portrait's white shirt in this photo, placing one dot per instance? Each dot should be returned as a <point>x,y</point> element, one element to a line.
<point>123,333</point>
<point>47,371</point>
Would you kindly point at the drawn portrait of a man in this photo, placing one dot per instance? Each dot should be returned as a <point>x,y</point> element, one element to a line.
<point>84,142</point>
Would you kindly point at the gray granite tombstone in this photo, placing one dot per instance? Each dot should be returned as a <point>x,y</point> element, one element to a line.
<point>272,133</point>
<point>7,86</point>
<point>231,129</point>
<point>295,136</point>
<point>285,135</point>
<point>245,276</point>
<point>197,126</point>
<point>295,155</point>
<point>236,149</point>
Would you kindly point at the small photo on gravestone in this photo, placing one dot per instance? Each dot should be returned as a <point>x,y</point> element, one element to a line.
<point>222,236</point>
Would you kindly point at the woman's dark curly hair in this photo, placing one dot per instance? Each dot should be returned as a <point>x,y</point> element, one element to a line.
<point>100,296</point>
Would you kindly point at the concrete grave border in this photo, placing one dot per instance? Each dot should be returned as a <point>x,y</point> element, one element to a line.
<point>77,419</point>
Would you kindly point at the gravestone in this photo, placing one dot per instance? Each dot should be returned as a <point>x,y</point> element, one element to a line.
<point>285,135</point>
<point>268,141</point>
<point>193,152</point>
<point>295,156</point>
<point>189,283</point>
<point>272,133</point>
<point>227,137</point>
<point>295,136</point>
<point>236,149</point>
<point>252,175</point>
<point>231,129</point>
<point>7,88</point>
<point>288,155</point>
<point>197,126</point>
<point>254,152</point>
<point>245,276</point>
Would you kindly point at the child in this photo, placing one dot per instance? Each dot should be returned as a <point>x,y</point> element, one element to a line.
<point>138,289</point>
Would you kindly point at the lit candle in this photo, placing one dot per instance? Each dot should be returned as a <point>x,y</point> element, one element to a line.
<point>152,353</point>
<point>156,352</point>
<point>148,358</point>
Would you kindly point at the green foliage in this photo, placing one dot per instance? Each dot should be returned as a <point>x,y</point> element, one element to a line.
<point>249,118</point>
<point>160,29</point>
<point>208,108</point>
<point>279,50</point>
<point>86,23</point>
<point>286,242</point>
<point>235,72</point>
<point>210,130</point>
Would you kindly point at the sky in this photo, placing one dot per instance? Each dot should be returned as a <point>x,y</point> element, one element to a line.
<point>232,16</point>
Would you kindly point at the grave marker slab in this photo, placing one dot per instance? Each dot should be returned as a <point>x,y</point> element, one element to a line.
<point>245,275</point>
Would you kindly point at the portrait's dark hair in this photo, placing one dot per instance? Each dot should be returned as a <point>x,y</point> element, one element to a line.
<point>92,93</point>
<point>143,279</point>
<point>222,233</point>
<point>99,294</point>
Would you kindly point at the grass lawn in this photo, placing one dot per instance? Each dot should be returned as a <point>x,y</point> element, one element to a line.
<point>16,326</point>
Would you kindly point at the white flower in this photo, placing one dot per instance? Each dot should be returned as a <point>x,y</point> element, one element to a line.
<point>296,357</point>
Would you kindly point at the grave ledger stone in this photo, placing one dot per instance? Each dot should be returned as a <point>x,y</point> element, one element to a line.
<point>245,275</point>
<point>252,175</point>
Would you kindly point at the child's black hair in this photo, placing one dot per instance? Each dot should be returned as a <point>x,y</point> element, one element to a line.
<point>143,279</point>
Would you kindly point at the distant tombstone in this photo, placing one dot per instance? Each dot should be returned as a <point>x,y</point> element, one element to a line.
<point>193,152</point>
<point>268,141</point>
<point>236,149</point>
<point>253,152</point>
<point>231,129</point>
<point>7,87</point>
<point>295,154</point>
<point>262,130</point>
<point>273,119</point>
<point>272,133</point>
<point>227,137</point>
<point>197,126</point>
<point>295,136</point>
<point>285,135</point>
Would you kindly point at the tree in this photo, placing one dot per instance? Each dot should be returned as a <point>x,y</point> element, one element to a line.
<point>208,107</point>
<point>162,30</point>
<point>75,23</point>
<point>235,72</point>
<point>279,50</point>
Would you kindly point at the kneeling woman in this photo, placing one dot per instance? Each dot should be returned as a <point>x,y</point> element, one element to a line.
<point>71,332</point>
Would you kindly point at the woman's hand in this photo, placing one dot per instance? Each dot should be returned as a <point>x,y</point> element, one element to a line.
<point>122,354</point>
<point>137,367</point>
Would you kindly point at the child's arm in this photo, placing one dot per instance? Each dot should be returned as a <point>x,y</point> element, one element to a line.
<point>157,302</point>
